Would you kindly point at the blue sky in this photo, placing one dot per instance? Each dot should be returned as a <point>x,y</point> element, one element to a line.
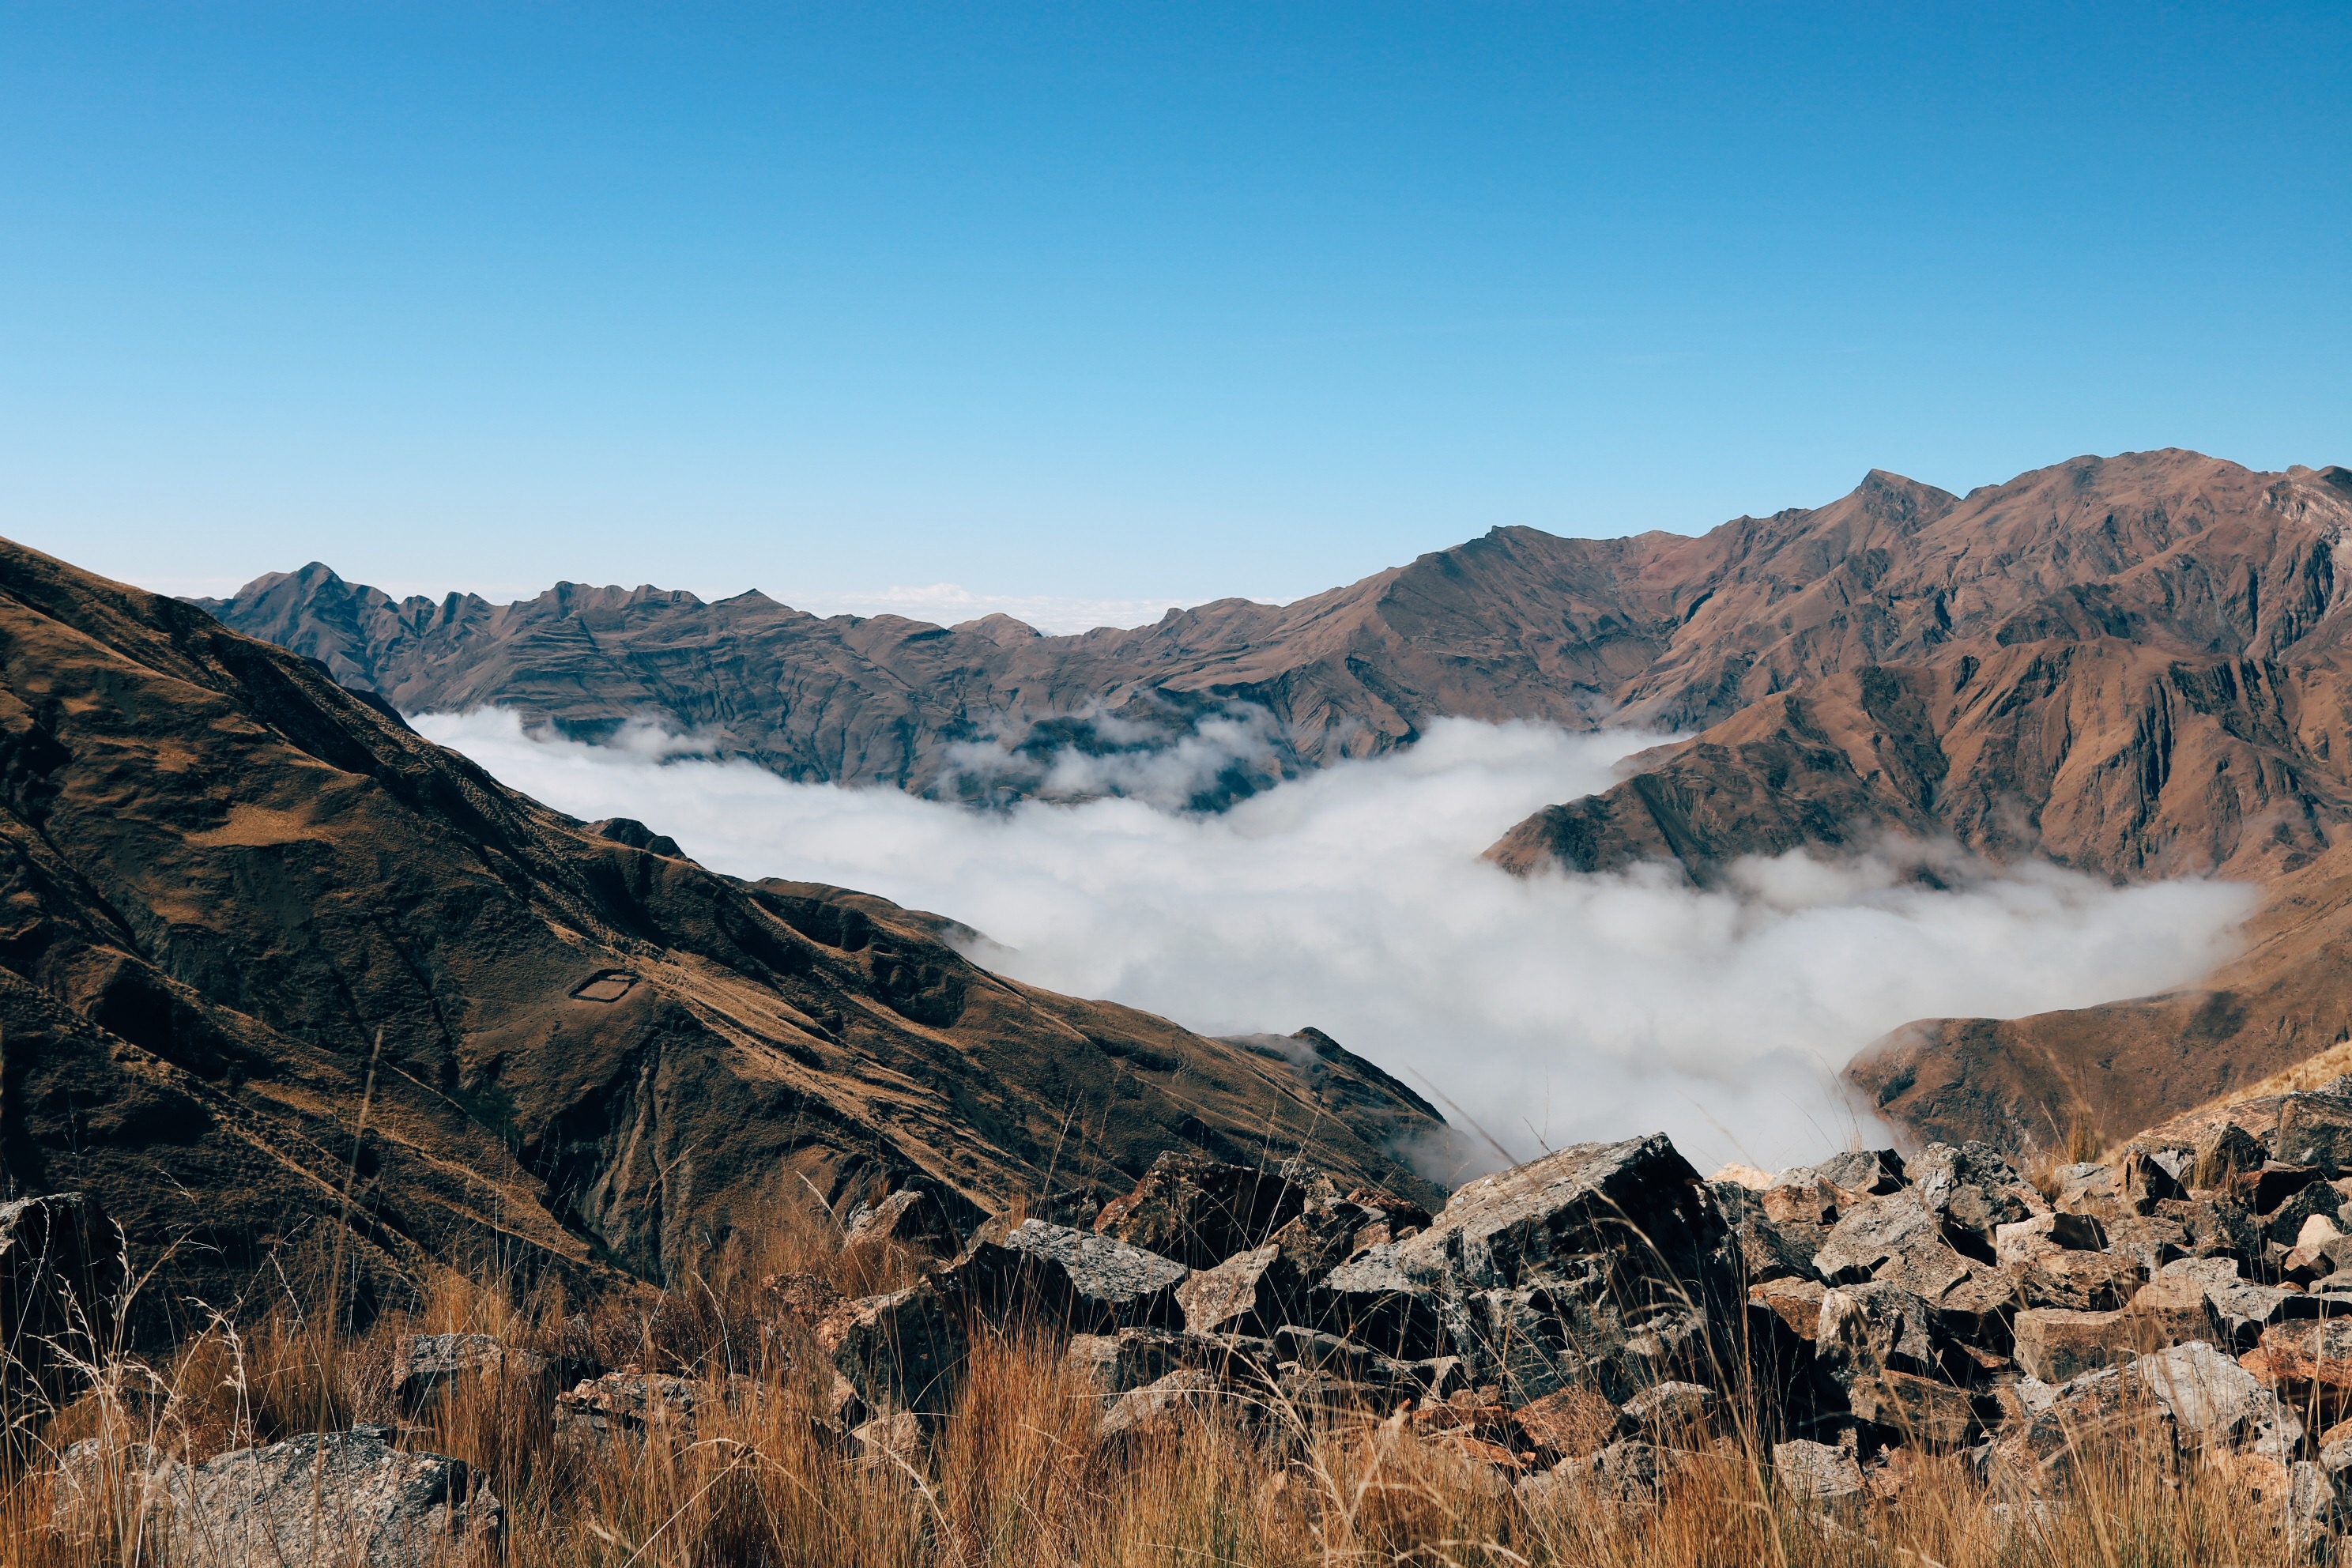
<point>1109,306</point>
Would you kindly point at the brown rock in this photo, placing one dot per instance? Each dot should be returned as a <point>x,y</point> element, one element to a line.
<point>1796,1302</point>
<point>1924,1410</point>
<point>1570,1421</point>
<point>913,1218</point>
<point>1250,1293</point>
<point>2078,1281</point>
<point>2057,1345</point>
<point>2314,1355</point>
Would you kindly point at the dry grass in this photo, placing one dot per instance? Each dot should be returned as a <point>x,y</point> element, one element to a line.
<point>1014,1473</point>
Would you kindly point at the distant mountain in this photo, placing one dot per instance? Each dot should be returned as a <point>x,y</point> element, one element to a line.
<point>2133,665</point>
<point>272,966</point>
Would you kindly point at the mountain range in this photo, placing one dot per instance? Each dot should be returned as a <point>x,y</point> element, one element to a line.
<point>2133,666</point>
<point>276,973</point>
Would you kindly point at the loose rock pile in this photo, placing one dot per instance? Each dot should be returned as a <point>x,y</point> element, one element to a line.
<point>1570,1323</point>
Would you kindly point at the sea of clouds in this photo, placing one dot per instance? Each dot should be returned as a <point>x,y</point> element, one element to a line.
<point>1544,1010</point>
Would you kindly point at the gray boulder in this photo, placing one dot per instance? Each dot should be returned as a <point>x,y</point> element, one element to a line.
<point>912,1218</point>
<point>1873,1327</point>
<point>345,1497</point>
<point>901,1351</point>
<point>2316,1129</point>
<point>1065,1279</point>
<point>1251,1292</point>
<point>428,1367</point>
<point>1815,1473</point>
<point>2214,1402</point>
<point>1895,1237</point>
<point>1972,1190</point>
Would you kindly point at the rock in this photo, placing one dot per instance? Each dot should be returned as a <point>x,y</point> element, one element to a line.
<point>1800,1197</point>
<point>1862,1172</point>
<point>1923,1410</point>
<point>1797,1302</point>
<point>596,1414</point>
<point>2312,1356</point>
<point>1604,1265</point>
<point>2090,1189</point>
<point>2021,1241</point>
<point>427,1366</point>
<point>901,1351</point>
<point>2222,1153</point>
<point>1200,1211</point>
<point>1871,1328</point>
<point>1892,1237</point>
<point>2335,1448</point>
<point>1672,1406</point>
<point>61,1274</point>
<point>912,1218</point>
<point>2057,1345</point>
<point>890,1439</point>
<point>2151,1240</point>
<point>1573,1421</point>
<point>2083,1411</point>
<point>2169,1310</point>
<point>2285,1222</point>
<point>2317,1232</point>
<point>1160,1407</point>
<point>2216,1403</point>
<point>2217,1225</point>
<point>1971,1190</point>
<point>2316,1129</point>
<point>1250,1293</point>
<point>1768,1249</point>
<point>1815,1473</point>
<point>2077,1281</point>
<point>345,1497</point>
<point>1737,1174</point>
<point>1065,1279</point>
<point>1127,1358</point>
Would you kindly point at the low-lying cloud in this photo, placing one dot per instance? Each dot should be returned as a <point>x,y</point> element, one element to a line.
<point>1549,1009</point>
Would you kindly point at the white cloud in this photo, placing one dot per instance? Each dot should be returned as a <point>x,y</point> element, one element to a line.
<point>1549,1009</point>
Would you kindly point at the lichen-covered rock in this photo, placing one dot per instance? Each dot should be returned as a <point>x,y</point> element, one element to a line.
<point>1972,1190</point>
<point>1065,1279</point>
<point>1672,1406</point>
<point>901,1351</point>
<point>912,1218</point>
<point>1870,1327</point>
<point>2216,1403</point>
<point>1126,1358</point>
<point>1893,1237</point>
<point>1815,1473</point>
<point>626,1406</point>
<point>344,1498</point>
<point>1200,1211</point>
<point>1251,1292</point>
<point>1160,1407</point>
<point>425,1367</point>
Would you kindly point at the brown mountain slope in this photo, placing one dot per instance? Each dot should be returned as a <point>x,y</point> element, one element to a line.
<point>226,879</point>
<point>2136,665</point>
<point>2131,1065</point>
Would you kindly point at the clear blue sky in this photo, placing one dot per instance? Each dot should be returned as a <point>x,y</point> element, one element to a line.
<point>1124,302</point>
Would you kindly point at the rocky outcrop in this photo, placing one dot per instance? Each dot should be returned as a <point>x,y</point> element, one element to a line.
<point>342,1498</point>
<point>239,896</point>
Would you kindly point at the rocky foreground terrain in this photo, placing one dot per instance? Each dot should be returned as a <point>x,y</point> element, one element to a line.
<point>1569,1326</point>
